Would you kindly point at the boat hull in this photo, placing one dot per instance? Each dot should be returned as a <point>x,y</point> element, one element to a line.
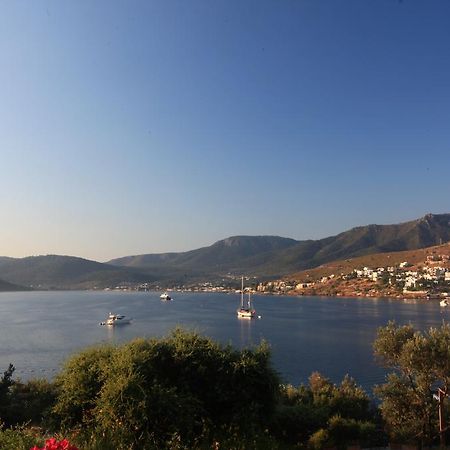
<point>245,313</point>
<point>114,320</point>
<point>115,323</point>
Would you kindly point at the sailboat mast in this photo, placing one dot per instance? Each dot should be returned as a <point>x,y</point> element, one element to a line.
<point>242,292</point>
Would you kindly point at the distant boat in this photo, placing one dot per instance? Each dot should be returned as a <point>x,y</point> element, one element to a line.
<point>246,310</point>
<point>116,319</point>
<point>165,296</point>
<point>444,303</point>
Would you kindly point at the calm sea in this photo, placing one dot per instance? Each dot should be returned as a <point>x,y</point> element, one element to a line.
<point>39,330</point>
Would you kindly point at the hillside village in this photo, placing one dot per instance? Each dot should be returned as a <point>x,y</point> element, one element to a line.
<point>429,278</point>
<point>421,273</point>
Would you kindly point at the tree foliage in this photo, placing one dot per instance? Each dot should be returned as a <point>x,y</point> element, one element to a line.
<point>151,391</point>
<point>17,439</point>
<point>323,414</point>
<point>79,384</point>
<point>32,402</point>
<point>421,364</point>
<point>6,383</point>
<point>186,391</point>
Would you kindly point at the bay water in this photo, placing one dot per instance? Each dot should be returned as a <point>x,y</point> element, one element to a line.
<point>40,330</point>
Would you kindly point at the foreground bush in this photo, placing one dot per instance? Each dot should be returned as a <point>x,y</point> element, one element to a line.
<point>17,439</point>
<point>151,393</point>
<point>6,383</point>
<point>32,402</point>
<point>325,415</point>
<point>183,392</point>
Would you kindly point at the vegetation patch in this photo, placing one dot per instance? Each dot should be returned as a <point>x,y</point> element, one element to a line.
<point>185,391</point>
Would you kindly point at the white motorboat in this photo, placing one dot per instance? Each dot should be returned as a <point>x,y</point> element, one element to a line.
<point>116,319</point>
<point>246,310</point>
<point>165,296</point>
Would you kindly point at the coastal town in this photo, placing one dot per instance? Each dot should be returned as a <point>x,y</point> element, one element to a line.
<point>425,275</point>
<point>431,279</point>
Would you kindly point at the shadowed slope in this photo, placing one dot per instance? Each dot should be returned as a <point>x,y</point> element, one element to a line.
<point>271,255</point>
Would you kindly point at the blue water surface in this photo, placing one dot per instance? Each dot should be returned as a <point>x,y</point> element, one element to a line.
<point>39,330</point>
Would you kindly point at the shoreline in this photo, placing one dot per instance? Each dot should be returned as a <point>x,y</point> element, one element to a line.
<point>407,296</point>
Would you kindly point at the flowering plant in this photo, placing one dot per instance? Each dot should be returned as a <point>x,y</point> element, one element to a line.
<point>53,444</point>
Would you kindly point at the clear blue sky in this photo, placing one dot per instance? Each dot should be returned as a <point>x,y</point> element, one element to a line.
<point>132,127</point>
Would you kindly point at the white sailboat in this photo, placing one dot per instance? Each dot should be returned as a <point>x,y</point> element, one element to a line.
<point>116,319</point>
<point>246,310</point>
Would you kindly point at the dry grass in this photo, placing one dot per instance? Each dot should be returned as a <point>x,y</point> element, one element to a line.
<point>415,257</point>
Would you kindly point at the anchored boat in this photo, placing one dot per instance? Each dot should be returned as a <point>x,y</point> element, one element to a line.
<point>246,311</point>
<point>116,319</point>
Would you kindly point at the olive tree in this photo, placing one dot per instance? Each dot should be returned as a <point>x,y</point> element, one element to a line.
<point>421,365</point>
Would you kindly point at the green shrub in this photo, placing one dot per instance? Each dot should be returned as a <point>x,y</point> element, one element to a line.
<point>79,384</point>
<point>324,414</point>
<point>151,393</point>
<point>17,439</point>
<point>319,440</point>
<point>32,402</point>
<point>6,382</point>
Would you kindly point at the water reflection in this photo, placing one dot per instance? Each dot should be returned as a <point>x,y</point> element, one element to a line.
<point>110,333</point>
<point>245,328</point>
<point>306,334</point>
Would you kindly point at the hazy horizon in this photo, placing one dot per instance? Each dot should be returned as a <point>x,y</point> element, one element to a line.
<point>188,249</point>
<point>165,126</point>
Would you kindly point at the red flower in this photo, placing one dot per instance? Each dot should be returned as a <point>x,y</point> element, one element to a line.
<point>53,444</point>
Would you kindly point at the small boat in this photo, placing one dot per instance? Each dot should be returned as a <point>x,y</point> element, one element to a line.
<point>444,303</point>
<point>246,310</point>
<point>116,319</point>
<point>165,296</point>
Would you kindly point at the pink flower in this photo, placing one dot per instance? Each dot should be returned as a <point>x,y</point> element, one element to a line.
<point>53,444</point>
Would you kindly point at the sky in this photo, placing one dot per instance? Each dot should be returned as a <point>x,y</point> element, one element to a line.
<point>131,127</point>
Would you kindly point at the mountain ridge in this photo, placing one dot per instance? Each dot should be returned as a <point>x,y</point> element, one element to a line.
<point>291,255</point>
<point>263,257</point>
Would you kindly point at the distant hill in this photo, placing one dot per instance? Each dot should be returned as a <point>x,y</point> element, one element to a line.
<point>65,272</point>
<point>6,259</point>
<point>432,229</point>
<point>8,287</point>
<point>269,256</point>
<point>265,257</point>
<point>224,255</point>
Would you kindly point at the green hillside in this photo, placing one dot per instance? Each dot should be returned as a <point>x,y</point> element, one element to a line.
<point>432,229</point>
<point>66,272</point>
<point>8,287</point>
<point>220,255</point>
<point>272,255</point>
<point>261,256</point>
